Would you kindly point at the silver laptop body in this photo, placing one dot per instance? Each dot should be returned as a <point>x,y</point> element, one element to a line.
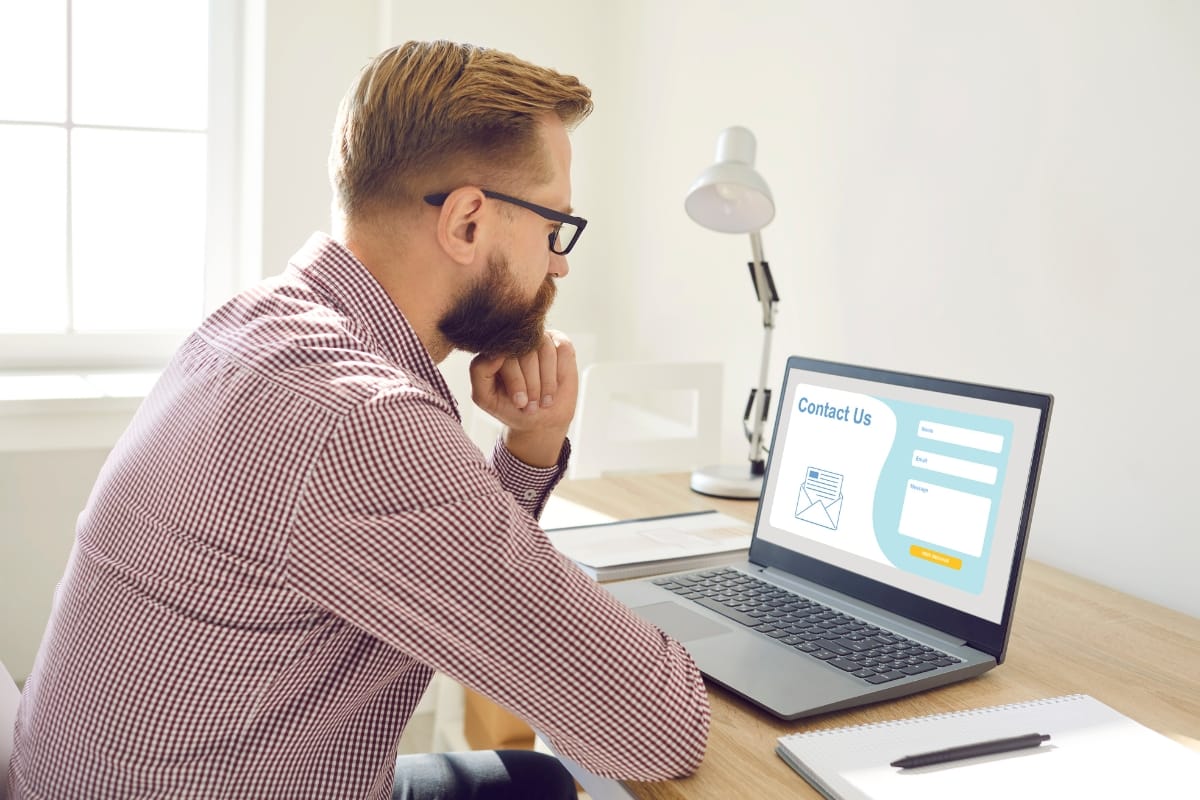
<point>900,501</point>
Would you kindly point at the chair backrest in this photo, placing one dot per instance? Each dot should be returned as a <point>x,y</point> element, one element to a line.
<point>10,696</point>
<point>639,416</point>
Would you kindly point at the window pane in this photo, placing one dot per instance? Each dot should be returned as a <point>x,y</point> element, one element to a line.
<point>141,63</point>
<point>138,210</point>
<point>33,60</point>
<point>33,228</point>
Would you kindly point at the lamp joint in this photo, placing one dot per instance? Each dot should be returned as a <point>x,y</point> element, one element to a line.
<point>770,282</point>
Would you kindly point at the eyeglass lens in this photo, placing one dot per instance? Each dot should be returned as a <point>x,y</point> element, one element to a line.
<point>563,237</point>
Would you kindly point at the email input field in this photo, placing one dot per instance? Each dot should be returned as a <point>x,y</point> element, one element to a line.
<point>964,437</point>
<point>961,468</point>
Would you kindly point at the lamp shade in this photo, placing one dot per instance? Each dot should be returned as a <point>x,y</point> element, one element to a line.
<point>730,196</point>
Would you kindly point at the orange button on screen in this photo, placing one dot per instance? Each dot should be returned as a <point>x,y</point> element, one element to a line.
<point>941,559</point>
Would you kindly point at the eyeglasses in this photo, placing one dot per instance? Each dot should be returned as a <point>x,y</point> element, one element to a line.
<point>562,238</point>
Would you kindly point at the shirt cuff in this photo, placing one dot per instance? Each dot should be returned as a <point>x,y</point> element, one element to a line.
<point>531,486</point>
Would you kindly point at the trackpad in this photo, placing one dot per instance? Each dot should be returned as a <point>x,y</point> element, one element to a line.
<point>680,623</point>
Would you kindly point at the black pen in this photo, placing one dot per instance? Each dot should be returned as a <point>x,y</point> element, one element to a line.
<point>972,750</point>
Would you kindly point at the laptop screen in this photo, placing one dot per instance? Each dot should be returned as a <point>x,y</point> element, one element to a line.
<point>901,489</point>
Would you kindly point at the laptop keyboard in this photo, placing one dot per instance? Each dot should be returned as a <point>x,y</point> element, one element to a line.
<point>850,644</point>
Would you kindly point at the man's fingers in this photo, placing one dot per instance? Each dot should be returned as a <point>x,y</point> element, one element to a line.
<point>548,369</point>
<point>564,358</point>
<point>531,371</point>
<point>483,371</point>
<point>515,385</point>
<point>485,366</point>
<point>538,379</point>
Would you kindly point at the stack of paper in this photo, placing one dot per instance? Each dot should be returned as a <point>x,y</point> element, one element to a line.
<point>655,545</point>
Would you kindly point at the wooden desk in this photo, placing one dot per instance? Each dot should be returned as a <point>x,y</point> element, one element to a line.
<point>1070,635</point>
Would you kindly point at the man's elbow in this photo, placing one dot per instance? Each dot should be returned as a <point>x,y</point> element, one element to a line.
<point>671,745</point>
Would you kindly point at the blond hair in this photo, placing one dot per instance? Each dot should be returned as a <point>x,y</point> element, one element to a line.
<point>431,116</point>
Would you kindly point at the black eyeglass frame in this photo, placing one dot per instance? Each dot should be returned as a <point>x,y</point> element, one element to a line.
<point>580,223</point>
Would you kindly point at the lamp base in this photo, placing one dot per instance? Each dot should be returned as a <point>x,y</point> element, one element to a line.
<point>726,480</point>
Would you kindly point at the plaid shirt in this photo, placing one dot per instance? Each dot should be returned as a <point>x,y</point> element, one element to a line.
<point>291,536</point>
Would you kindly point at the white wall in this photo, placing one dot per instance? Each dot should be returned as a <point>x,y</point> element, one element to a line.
<point>41,494</point>
<point>310,51</point>
<point>999,192</point>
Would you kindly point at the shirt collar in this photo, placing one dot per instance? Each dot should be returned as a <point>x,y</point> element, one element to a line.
<point>351,288</point>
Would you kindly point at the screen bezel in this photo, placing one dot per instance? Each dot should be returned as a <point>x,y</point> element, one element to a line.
<point>982,634</point>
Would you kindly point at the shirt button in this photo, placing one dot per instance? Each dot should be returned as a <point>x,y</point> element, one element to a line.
<point>529,494</point>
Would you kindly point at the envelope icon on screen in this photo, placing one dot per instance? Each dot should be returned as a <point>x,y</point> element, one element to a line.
<point>817,511</point>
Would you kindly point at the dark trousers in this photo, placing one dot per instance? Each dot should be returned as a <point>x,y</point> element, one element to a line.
<point>482,775</point>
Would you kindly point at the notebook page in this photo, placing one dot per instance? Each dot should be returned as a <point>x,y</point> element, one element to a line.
<point>1094,751</point>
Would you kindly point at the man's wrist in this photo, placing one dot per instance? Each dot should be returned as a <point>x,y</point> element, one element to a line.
<point>537,448</point>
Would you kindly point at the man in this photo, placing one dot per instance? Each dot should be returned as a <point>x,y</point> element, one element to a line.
<point>295,532</point>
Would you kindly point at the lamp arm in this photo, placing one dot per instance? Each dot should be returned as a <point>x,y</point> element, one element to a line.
<point>764,286</point>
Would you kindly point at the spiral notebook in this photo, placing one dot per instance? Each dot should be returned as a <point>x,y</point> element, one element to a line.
<point>1093,751</point>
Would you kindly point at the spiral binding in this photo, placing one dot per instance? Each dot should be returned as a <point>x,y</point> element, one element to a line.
<point>971,712</point>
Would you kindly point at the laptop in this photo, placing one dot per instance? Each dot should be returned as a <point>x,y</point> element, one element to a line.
<point>886,551</point>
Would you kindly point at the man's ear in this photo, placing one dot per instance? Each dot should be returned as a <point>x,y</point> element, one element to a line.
<point>458,226</point>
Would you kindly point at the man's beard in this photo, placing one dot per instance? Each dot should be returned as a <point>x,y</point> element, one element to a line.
<point>493,317</point>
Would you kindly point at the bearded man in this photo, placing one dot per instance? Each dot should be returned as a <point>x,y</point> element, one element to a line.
<point>295,532</point>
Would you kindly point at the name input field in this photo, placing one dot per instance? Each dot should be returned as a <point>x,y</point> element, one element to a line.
<point>958,467</point>
<point>963,437</point>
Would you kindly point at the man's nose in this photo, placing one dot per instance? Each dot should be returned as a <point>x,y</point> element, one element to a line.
<point>558,266</point>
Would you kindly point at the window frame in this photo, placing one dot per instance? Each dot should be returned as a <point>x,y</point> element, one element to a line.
<point>224,273</point>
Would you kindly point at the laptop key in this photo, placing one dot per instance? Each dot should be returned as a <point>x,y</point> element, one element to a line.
<point>913,669</point>
<point>736,616</point>
<point>884,677</point>
<point>844,664</point>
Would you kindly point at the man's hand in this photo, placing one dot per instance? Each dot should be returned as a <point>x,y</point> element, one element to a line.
<point>533,395</point>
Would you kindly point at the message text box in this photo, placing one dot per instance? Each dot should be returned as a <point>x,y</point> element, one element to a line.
<point>945,517</point>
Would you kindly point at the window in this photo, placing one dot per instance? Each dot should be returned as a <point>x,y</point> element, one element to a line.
<point>117,144</point>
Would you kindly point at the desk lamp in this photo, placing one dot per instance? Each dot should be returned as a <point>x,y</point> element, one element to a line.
<point>731,197</point>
